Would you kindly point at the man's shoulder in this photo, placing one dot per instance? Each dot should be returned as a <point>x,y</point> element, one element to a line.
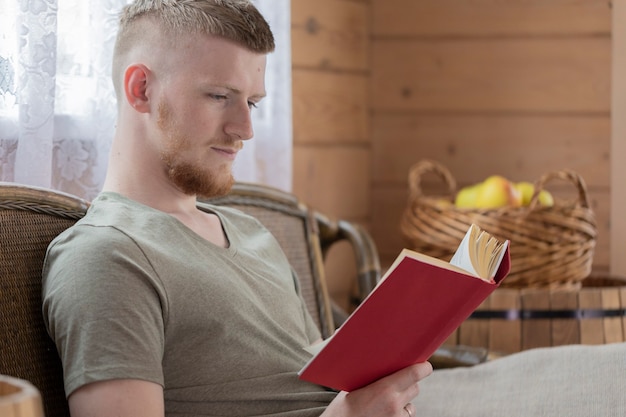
<point>106,224</point>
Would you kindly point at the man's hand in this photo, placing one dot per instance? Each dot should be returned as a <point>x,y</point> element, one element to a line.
<point>386,397</point>
<point>118,398</point>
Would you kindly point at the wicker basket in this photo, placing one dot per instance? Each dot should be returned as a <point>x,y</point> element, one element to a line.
<point>550,246</point>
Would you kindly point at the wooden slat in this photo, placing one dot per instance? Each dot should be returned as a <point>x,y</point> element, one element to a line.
<point>505,336</point>
<point>536,332</point>
<point>331,180</point>
<point>591,329</point>
<point>622,297</point>
<point>524,75</point>
<point>475,332</point>
<point>613,332</point>
<point>565,331</point>
<point>387,204</point>
<point>525,146</point>
<point>618,142</point>
<point>329,108</point>
<point>330,34</point>
<point>490,17</point>
<point>19,398</point>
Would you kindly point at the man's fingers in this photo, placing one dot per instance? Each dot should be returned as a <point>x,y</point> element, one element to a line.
<point>406,380</point>
<point>418,372</point>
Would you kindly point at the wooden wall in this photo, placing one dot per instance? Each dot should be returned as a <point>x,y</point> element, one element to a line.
<point>618,140</point>
<point>513,87</point>
<point>332,150</point>
<point>516,88</point>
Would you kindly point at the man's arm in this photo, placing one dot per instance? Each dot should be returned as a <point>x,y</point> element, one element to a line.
<point>136,398</point>
<point>118,398</point>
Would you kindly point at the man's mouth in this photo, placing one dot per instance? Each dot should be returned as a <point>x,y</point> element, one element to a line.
<point>228,151</point>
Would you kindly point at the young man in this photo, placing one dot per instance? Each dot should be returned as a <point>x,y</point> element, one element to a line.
<point>158,308</point>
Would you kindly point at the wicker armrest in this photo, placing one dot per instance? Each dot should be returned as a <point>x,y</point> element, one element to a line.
<point>367,259</point>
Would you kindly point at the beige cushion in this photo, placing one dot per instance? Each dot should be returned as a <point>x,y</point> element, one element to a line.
<point>564,381</point>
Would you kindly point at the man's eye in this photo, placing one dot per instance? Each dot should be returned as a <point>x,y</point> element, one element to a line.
<point>218,96</point>
<point>252,105</point>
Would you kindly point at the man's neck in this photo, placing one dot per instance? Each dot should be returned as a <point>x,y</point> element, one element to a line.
<point>170,200</point>
<point>156,194</point>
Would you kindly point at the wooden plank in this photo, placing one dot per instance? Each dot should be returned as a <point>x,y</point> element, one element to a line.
<point>565,331</point>
<point>524,146</point>
<point>475,332</point>
<point>324,176</point>
<point>489,17</point>
<point>18,398</point>
<point>618,142</point>
<point>524,75</point>
<point>387,205</point>
<point>28,406</point>
<point>330,108</point>
<point>389,200</point>
<point>622,295</point>
<point>6,408</point>
<point>613,332</point>
<point>536,332</point>
<point>505,336</point>
<point>330,34</point>
<point>591,329</point>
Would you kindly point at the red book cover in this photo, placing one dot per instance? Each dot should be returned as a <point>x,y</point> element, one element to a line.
<point>403,321</point>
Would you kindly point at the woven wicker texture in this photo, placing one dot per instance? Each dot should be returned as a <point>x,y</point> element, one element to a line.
<point>26,351</point>
<point>550,246</point>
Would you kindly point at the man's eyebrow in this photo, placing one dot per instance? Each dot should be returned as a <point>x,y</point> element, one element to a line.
<point>238,91</point>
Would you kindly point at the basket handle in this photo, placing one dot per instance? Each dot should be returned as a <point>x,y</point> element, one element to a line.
<point>425,166</point>
<point>566,175</point>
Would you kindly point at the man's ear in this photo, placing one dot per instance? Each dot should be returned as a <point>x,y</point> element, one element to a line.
<point>135,87</point>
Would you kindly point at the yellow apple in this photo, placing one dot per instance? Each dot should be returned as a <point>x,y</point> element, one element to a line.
<point>545,198</point>
<point>497,191</point>
<point>526,189</point>
<point>466,197</point>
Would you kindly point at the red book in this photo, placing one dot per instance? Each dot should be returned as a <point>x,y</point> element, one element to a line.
<point>417,304</point>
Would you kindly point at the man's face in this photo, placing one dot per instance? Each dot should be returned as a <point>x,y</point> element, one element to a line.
<point>203,112</point>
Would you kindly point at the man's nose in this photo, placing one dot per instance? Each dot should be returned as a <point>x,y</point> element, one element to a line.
<point>240,123</point>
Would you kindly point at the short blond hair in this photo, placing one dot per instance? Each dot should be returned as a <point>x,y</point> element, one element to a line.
<point>236,20</point>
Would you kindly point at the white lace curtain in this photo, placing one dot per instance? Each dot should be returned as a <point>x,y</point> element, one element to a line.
<point>57,106</point>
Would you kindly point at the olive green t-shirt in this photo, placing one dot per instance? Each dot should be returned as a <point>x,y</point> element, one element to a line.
<point>131,292</point>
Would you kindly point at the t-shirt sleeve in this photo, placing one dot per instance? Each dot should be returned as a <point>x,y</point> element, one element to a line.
<point>103,307</point>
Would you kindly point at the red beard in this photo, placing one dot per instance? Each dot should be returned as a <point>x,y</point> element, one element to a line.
<point>192,177</point>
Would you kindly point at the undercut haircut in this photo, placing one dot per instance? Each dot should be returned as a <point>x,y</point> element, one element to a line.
<point>235,20</point>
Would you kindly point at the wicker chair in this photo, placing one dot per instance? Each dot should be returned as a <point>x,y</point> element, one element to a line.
<point>31,217</point>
